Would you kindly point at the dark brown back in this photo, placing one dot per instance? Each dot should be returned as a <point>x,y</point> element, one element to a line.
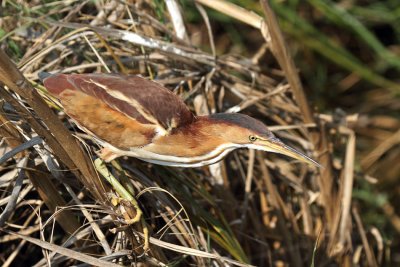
<point>135,96</point>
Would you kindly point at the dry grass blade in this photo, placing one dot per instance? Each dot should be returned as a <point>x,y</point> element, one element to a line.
<point>234,11</point>
<point>381,149</point>
<point>272,33</point>
<point>49,193</point>
<point>142,40</point>
<point>276,202</point>
<point>347,187</point>
<point>64,251</point>
<point>176,18</point>
<point>195,252</point>
<point>4,216</point>
<point>8,131</point>
<point>34,141</point>
<point>74,156</point>
<point>368,251</point>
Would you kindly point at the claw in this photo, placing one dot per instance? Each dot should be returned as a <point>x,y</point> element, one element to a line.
<point>127,202</point>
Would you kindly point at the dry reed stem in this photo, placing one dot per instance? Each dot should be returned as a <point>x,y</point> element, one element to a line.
<point>368,251</point>
<point>48,191</point>
<point>379,150</point>
<point>234,11</point>
<point>347,188</point>
<point>294,254</point>
<point>64,251</point>
<point>272,33</point>
<point>64,141</point>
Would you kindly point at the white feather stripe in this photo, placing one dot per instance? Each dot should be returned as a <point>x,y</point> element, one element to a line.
<point>168,160</point>
<point>132,102</point>
<point>194,164</point>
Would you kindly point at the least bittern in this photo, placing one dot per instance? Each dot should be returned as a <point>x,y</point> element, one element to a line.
<point>133,116</point>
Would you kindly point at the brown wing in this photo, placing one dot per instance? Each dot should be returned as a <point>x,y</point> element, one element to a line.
<point>129,109</point>
<point>104,122</point>
<point>137,97</point>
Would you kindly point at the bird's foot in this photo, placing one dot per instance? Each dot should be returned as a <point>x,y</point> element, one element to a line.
<point>129,209</point>
<point>128,205</point>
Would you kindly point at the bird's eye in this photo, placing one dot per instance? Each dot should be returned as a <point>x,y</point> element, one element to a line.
<point>252,138</point>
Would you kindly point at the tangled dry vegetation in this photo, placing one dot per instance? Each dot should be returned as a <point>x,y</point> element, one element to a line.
<point>251,209</point>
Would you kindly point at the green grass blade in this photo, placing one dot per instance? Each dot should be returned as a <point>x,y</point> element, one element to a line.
<point>340,16</point>
<point>304,31</point>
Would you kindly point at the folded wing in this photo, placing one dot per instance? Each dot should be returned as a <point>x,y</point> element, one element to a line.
<point>125,111</point>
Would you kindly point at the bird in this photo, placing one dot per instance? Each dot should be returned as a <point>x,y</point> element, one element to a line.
<point>129,115</point>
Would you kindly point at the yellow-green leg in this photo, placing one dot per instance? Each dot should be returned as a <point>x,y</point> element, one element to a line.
<point>125,195</point>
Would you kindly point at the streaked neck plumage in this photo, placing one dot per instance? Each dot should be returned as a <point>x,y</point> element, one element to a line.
<point>197,144</point>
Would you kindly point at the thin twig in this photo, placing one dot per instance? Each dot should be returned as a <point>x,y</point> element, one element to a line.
<point>15,193</point>
<point>30,143</point>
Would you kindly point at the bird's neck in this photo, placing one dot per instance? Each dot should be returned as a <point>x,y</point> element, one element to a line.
<point>200,137</point>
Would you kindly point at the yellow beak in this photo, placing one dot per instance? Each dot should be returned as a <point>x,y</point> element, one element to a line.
<point>277,146</point>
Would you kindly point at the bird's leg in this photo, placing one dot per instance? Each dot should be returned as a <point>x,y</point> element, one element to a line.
<point>122,174</point>
<point>126,199</point>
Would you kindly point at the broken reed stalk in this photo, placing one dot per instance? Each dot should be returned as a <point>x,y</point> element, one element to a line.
<point>273,35</point>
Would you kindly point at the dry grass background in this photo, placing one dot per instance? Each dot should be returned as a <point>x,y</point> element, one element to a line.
<point>251,209</point>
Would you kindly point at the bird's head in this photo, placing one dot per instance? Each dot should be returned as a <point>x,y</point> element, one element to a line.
<point>246,131</point>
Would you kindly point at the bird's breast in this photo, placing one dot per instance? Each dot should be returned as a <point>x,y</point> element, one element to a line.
<point>186,158</point>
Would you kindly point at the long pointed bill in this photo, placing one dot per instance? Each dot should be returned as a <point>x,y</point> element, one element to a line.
<point>277,146</point>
